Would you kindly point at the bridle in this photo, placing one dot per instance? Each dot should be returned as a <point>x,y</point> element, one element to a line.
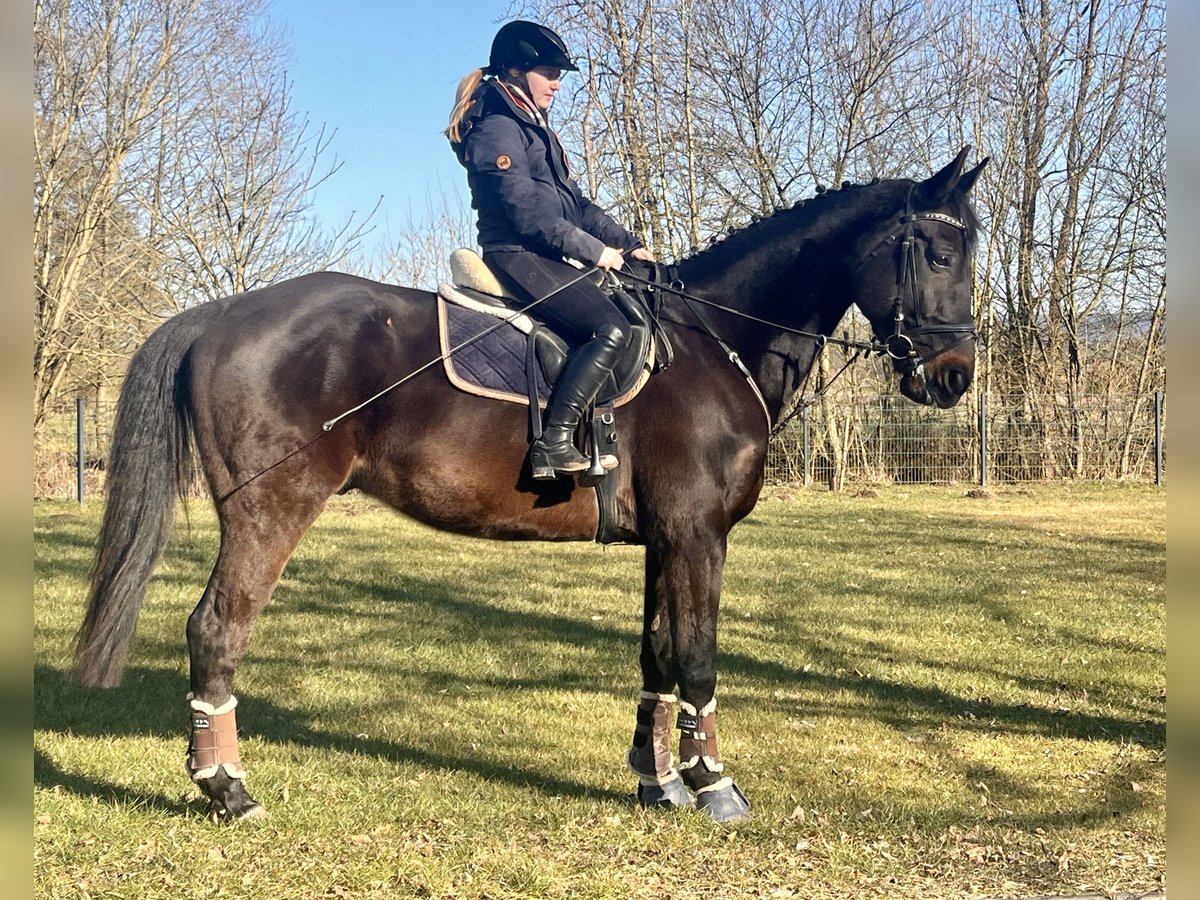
<point>899,345</point>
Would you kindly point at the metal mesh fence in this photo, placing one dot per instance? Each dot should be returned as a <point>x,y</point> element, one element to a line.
<point>1089,437</point>
<point>1003,438</point>
<point>56,459</point>
<point>880,439</point>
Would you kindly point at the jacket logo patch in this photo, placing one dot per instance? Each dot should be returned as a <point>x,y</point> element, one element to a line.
<point>503,162</point>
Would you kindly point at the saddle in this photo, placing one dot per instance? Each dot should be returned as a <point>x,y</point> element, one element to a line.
<point>477,289</point>
<point>520,360</point>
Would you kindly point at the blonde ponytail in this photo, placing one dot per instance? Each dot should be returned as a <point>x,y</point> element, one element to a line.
<point>462,102</point>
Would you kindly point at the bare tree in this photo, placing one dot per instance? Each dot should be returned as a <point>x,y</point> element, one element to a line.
<point>99,77</point>
<point>418,253</point>
<point>1074,107</point>
<point>168,167</point>
<point>242,165</point>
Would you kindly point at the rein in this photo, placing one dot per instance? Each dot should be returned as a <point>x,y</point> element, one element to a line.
<point>862,349</point>
<point>676,287</point>
<point>898,345</point>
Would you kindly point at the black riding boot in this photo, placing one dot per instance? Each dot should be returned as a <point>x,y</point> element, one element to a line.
<point>554,452</point>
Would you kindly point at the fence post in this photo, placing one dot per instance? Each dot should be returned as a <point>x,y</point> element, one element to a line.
<point>983,435</point>
<point>80,409</point>
<point>1078,429</point>
<point>804,453</point>
<point>1158,442</point>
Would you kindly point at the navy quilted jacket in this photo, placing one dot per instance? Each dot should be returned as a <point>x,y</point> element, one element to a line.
<point>521,188</point>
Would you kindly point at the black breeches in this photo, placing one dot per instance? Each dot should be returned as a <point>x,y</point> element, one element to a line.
<point>577,313</point>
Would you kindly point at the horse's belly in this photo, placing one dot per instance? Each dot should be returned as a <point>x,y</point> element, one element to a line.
<point>489,496</point>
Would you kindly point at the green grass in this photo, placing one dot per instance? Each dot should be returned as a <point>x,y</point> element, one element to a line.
<point>922,694</point>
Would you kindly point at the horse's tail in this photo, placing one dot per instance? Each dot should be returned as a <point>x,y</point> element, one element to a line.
<point>150,459</point>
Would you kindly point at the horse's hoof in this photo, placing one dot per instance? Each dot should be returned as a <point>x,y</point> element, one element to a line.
<point>724,804</point>
<point>672,795</point>
<point>228,799</point>
<point>251,810</point>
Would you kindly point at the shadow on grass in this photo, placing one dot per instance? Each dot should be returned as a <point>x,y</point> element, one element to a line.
<point>46,774</point>
<point>140,707</point>
<point>151,701</point>
<point>894,703</point>
<point>899,705</point>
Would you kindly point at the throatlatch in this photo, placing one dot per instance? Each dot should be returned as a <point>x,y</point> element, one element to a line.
<point>214,740</point>
<point>650,757</point>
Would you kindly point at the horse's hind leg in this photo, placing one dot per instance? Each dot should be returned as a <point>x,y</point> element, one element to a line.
<point>254,551</point>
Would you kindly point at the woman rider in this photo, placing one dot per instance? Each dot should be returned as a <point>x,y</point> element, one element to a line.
<point>532,215</point>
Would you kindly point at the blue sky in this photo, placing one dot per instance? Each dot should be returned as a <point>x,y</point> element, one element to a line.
<point>383,75</point>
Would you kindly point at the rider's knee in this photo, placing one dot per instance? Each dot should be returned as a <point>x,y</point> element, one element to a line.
<point>614,335</point>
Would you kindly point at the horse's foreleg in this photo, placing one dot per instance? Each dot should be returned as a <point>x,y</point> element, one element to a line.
<point>679,646</point>
<point>659,784</point>
<point>248,566</point>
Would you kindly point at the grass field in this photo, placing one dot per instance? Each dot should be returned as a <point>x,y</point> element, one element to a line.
<point>922,693</point>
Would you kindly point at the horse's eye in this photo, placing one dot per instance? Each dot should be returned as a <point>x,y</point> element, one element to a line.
<point>940,261</point>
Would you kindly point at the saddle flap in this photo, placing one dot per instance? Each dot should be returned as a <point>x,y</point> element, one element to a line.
<point>638,357</point>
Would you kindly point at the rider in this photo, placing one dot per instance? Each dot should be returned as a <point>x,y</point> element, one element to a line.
<point>532,215</point>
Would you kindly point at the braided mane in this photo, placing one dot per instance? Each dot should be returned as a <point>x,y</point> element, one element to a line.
<point>804,220</point>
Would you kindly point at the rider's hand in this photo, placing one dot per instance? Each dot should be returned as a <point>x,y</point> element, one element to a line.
<point>611,258</point>
<point>643,254</point>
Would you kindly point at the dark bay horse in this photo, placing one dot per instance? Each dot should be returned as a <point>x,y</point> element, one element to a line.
<point>242,386</point>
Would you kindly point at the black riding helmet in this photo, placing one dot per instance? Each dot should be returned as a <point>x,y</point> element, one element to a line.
<point>525,45</point>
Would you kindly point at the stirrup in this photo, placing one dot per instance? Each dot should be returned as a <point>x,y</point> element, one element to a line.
<point>600,464</point>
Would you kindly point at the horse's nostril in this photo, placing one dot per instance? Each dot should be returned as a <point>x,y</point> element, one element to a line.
<point>958,380</point>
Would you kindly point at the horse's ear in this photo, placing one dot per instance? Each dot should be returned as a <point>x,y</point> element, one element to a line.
<point>935,190</point>
<point>967,181</point>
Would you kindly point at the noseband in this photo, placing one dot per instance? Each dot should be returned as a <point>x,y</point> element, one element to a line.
<point>899,344</point>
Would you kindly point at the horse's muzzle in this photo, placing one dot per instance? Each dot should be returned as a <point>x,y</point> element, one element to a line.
<point>940,382</point>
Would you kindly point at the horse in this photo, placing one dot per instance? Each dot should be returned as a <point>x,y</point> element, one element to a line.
<point>239,389</point>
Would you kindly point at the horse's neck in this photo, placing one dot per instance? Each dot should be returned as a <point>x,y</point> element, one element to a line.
<point>783,368</point>
<point>799,293</point>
